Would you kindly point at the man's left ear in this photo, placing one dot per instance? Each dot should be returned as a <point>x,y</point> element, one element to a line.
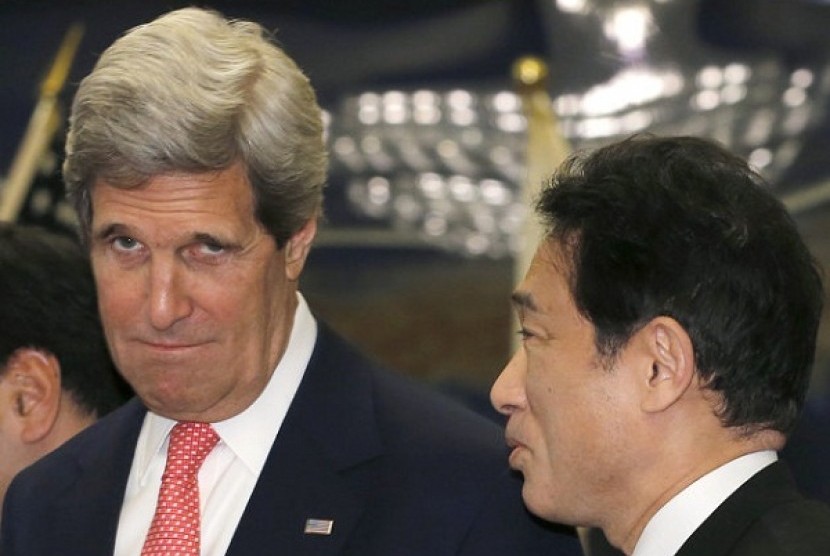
<point>670,353</point>
<point>297,248</point>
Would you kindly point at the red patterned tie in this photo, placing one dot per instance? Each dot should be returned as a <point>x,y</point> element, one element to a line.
<point>175,527</point>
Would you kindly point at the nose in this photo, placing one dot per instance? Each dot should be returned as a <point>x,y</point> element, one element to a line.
<point>169,299</point>
<point>508,392</point>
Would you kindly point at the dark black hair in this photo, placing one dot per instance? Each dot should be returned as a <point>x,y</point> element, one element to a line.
<point>48,302</point>
<point>681,227</point>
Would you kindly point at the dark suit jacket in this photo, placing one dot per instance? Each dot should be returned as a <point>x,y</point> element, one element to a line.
<point>766,516</point>
<point>400,470</point>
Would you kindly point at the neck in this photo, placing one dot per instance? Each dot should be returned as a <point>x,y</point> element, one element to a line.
<point>658,489</point>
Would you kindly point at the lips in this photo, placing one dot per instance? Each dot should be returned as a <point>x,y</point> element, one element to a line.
<point>170,346</point>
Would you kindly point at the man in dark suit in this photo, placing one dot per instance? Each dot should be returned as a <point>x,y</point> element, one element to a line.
<point>56,376</point>
<point>195,159</point>
<point>669,322</point>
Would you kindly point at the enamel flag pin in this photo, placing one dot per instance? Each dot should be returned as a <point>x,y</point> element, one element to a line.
<point>318,526</point>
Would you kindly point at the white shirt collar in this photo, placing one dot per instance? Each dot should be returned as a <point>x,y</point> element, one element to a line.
<point>675,522</point>
<point>250,434</point>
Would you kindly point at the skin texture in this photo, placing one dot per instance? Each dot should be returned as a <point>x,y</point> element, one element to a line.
<point>196,300</point>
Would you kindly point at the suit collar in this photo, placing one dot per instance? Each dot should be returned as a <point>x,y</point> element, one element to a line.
<point>335,403</point>
<point>100,458</point>
<point>770,487</point>
<point>316,469</point>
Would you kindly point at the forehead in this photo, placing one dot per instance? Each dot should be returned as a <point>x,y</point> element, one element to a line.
<point>218,196</point>
<point>546,286</point>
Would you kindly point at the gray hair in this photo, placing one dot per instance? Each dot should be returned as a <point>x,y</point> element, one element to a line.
<point>194,92</point>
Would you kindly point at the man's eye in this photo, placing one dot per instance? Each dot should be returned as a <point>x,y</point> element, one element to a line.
<point>211,248</point>
<point>524,333</point>
<point>124,243</point>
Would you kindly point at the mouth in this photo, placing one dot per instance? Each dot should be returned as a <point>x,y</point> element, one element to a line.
<point>170,346</point>
<point>516,448</point>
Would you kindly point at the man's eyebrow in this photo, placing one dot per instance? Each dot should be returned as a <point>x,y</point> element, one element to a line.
<point>205,237</point>
<point>522,299</point>
<point>109,230</point>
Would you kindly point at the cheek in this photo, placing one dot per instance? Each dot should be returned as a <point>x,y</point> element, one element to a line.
<point>117,291</point>
<point>115,303</point>
<point>566,418</point>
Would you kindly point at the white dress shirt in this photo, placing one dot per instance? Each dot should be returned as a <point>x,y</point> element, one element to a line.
<point>230,471</point>
<point>675,522</point>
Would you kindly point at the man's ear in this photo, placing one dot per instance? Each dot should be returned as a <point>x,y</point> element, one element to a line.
<point>670,353</point>
<point>34,381</point>
<point>297,248</point>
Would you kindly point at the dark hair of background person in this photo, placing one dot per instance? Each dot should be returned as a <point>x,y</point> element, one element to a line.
<point>682,228</point>
<point>48,302</point>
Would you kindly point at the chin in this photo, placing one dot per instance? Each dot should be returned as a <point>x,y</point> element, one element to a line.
<point>538,501</point>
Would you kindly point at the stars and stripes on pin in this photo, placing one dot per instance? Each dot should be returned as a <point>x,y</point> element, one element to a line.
<point>318,526</point>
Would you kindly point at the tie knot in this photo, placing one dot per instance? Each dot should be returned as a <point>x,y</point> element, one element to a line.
<point>190,443</point>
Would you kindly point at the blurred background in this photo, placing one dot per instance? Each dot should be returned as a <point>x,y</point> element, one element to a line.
<point>429,137</point>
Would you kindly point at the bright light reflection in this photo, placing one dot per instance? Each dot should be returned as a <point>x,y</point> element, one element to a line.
<point>407,208</point>
<point>567,105</point>
<point>426,115</point>
<point>629,27</point>
<point>733,94</point>
<point>435,224</point>
<point>459,99</point>
<point>636,121</point>
<point>368,99</point>
<point>461,188</point>
<point>794,96</point>
<point>378,190</point>
<point>630,87</point>
<point>573,6</point>
<point>432,186</point>
<point>395,113</point>
<point>760,158</point>
<point>506,102</point>
<point>448,148</point>
<point>477,244</point>
<point>424,99</point>
<point>368,114</point>
<point>736,73</point>
<point>802,78</point>
<point>494,192</point>
<point>510,123</point>
<point>344,146</point>
<point>706,100</point>
<point>592,128</point>
<point>501,156</point>
<point>710,77</point>
<point>463,116</point>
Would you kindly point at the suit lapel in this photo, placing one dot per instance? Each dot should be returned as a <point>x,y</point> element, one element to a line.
<point>89,527</point>
<point>718,534</point>
<point>316,469</point>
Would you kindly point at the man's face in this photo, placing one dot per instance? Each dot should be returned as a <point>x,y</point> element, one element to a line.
<point>569,417</point>
<point>196,300</point>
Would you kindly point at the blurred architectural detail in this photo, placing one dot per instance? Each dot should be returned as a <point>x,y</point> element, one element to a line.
<point>447,166</point>
<point>428,134</point>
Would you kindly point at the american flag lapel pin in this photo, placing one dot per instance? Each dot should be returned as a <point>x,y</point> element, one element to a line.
<point>315,526</point>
